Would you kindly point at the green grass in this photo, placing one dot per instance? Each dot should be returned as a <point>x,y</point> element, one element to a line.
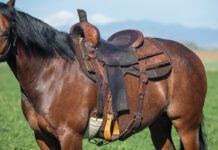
<point>211,65</point>
<point>15,133</point>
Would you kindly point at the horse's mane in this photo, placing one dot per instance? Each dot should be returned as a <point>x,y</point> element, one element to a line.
<point>35,33</point>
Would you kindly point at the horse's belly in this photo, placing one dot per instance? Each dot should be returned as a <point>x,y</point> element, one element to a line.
<point>154,104</point>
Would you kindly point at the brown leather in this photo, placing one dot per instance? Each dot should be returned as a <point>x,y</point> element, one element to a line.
<point>85,64</point>
<point>127,38</point>
<point>158,62</point>
<point>152,61</point>
<point>87,31</point>
<point>142,85</point>
<point>149,54</point>
<point>135,123</point>
<point>148,49</point>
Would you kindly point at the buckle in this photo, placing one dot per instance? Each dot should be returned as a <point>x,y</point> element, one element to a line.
<point>138,115</point>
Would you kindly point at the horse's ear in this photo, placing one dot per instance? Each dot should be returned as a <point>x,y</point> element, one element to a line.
<point>11,3</point>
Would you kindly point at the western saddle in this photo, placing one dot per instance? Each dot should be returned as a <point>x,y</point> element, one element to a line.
<point>107,62</point>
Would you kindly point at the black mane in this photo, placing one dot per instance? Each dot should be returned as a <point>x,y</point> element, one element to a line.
<point>35,33</point>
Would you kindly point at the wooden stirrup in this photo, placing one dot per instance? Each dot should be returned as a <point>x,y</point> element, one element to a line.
<point>107,130</point>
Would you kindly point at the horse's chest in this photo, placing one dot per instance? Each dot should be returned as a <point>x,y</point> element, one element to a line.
<point>36,120</point>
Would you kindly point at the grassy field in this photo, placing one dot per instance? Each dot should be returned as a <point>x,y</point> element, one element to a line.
<point>15,133</point>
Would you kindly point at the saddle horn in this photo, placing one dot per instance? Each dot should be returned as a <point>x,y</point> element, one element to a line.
<point>82,15</point>
<point>86,30</point>
<point>11,3</point>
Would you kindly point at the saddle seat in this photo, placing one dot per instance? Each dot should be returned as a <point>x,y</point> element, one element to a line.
<point>119,49</point>
<point>115,55</point>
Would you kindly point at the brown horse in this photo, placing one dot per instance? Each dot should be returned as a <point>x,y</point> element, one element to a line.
<point>58,98</point>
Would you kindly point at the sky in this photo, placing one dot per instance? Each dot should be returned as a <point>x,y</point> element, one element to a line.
<point>189,13</point>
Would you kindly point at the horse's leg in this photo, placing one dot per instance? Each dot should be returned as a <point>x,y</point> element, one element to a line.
<point>70,140</point>
<point>189,133</point>
<point>161,134</point>
<point>46,142</point>
<point>186,115</point>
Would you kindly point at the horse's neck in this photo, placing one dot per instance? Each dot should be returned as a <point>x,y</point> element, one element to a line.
<point>38,75</point>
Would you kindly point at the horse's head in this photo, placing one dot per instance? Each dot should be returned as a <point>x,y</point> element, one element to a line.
<point>6,41</point>
<point>36,36</point>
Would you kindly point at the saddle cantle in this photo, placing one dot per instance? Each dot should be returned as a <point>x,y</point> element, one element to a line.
<point>127,38</point>
<point>107,62</point>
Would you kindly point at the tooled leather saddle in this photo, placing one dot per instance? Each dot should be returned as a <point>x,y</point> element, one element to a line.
<point>107,62</point>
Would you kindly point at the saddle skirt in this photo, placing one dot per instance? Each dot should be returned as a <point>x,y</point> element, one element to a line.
<point>157,60</point>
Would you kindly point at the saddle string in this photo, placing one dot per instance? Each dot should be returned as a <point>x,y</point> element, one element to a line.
<point>98,142</point>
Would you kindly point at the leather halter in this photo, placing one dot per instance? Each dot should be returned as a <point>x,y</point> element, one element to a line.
<point>12,39</point>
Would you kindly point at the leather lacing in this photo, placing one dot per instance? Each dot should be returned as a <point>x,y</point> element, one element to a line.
<point>99,142</point>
